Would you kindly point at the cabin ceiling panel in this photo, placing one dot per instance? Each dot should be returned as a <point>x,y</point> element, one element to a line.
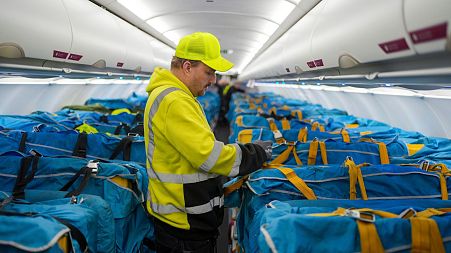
<point>241,26</point>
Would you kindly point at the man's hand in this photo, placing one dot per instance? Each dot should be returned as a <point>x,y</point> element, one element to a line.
<point>267,146</point>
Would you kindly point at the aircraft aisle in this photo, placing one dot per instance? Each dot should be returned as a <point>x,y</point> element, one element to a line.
<point>353,95</point>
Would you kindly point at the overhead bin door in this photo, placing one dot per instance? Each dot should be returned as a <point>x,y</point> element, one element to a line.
<point>428,24</point>
<point>354,31</point>
<point>97,38</point>
<point>139,53</point>
<point>34,29</point>
<point>162,54</point>
<point>297,51</point>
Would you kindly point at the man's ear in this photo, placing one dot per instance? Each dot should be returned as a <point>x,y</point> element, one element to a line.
<point>186,67</point>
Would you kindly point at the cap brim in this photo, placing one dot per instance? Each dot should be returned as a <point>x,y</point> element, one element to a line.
<point>219,64</point>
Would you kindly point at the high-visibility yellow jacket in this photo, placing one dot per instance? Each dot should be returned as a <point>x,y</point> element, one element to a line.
<point>184,160</point>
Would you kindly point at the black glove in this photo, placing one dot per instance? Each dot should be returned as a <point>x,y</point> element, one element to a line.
<point>267,146</point>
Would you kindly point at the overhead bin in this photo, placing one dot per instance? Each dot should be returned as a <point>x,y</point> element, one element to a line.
<point>162,54</point>
<point>139,53</point>
<point>297,55</point>
<point>97,38</point>
<point>34,29</point>
<point>352,32</point>
<point>75,32</point>
<point>428,24</point>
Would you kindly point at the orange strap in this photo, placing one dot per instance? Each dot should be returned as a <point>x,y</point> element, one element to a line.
<point>442,171</point>
<point>426,236</point>
<point>298,183</point>
<point>297,113</point>
<point>316,125</point>
<point>285,124</point>
<point>312,152</point>
<point>283,157</point>
<point>355,175</point>
<point>345,135</point>
<point>322,147</point>
<point>302,135</point>
<point>272,124</point>
<point>383,152</point>
<point>235,186</point>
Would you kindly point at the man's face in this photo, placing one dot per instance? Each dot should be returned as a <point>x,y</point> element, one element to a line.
<point>202,77</point>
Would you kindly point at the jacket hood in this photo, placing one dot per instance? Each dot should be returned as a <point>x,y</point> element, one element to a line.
<point>164,77</point>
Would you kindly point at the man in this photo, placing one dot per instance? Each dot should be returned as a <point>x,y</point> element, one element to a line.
<point>184,160</point>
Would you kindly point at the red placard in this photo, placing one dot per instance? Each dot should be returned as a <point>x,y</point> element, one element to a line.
<point>430,33</point>
<point>319,62</point>
<point>311,64</point>
<point>60,54</point>
<point>394,46</point>
<point>75,57</point>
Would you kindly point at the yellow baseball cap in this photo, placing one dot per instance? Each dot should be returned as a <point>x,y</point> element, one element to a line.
<point>204,47</point>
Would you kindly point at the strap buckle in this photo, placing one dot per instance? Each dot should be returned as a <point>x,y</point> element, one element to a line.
<point>408,213</point>
<point>363,216</point>
<point>424,165</point>
<point>277,135</point>
<point>133,134</point>
<point>93,165</point>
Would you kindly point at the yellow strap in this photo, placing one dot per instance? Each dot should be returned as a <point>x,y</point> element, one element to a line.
<point>342,211</point>
<point>122,182</point>
<point>296,157</point>
<point>302,135</point>
<point>272,124</point>
<point>352,125</point>
<point>369,238</point>
<point>245,136</point>
<point>355,175</point>
<point>85,128</point>
<point>63,243</point>
<point>322,147</point>
<point>252,106</point>
<point>414,148</point>
<point>313,149</point>
<point>317,126</point>
<point>383,153</point>
<point>432,212</point>
<point>442,171</point>
<point>265,105</point>
<point>285,124</point>
<point>122,110</point>
<point>297,113</point>
<point>298,183</point>
<point>443,187</point>
<point>345,135</point>
<point>283,156</point>
<point>426,236</point>
<point>239,121</point>
<point>365,133</point>
<point>235,186</point>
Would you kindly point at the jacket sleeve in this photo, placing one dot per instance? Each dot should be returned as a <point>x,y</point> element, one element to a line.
<point>188,131</point>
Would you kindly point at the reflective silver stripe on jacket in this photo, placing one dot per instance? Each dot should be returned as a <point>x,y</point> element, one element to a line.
<point>153,110</point>
<point>181,178</point>
<point>236,165</point>
<point>201,209</point>
<point>213,157</point>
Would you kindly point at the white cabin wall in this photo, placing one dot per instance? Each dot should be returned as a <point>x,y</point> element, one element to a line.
<point>23,99</point>
<point>425,112</point>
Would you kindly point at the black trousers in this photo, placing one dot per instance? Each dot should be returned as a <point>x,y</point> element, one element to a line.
<point>167,243</point>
